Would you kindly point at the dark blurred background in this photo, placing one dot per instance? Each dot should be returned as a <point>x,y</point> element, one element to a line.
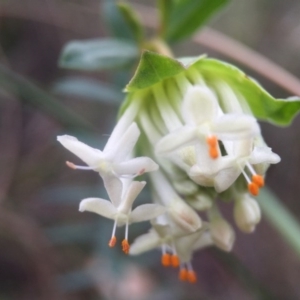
<point>51,251</point>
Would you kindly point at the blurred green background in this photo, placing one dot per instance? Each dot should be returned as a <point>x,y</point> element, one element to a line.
<point>51,251</point>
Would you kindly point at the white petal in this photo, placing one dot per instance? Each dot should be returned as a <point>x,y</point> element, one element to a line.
<point>199,105</point>
<point>145,243</point>
<point>176,139</point>
<point>235,127</point>
<point>263,155</point>
<point>99,206</point>
<point>146,212</point>
<point>130,195</point>
<point>124,146</point>
<point>225,178</point>
<point>135,166</point>
<point>113,186</point>
<point>86,153</point>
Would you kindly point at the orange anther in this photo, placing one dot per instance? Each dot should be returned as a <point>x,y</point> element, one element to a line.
<point>183,274</point>
<point>213,152</point>
<point>125,246</point>
<point>259,180</point>
<point>191,276</point>
<point>212,141</point>
<point>166,259</point>
<point>112,242</point>
<point>253,188</point>
<point>175,261</point>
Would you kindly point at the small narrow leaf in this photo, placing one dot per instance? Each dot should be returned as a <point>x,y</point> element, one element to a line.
<point>152,69</point>
<point>88,89</point>
<point>98,54</point>
<point>132,21</point>
<point>188,15</point>
<point>37,97</point>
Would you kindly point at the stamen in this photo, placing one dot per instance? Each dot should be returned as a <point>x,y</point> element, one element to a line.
<point>74,167</point>
<point>253,188</point>
<point>213,153</point>
<point>191,276</point>
<point>112,242</point>
<point>166,259</point>
<point>175,260</point>
<point>212,141</point>
<point>259,180</point>
<point>125,246</point>
<point>141,172</point>
<point>183,274</point>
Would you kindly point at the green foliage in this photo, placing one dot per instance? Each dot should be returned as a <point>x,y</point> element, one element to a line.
<point>88,89</point>
<point>263,105</point>
<point>186,16</point>
<point>152,69</point>
<point>98,54</point>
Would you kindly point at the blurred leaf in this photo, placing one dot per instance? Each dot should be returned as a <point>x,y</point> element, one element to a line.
<point>262,104</point>
<point>279,216</point>
<point>75,281</point>
<point>152,69</point>
<point>73,233</point>
<point>116,22</point>
<point>132,21</point>
<point>33,95</point>
<point>165,8</point>
<point>88,89</point>
<point>188,15</point>
<point>98,54</point>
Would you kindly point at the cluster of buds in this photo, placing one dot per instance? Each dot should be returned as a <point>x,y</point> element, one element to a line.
<point>201,144</point>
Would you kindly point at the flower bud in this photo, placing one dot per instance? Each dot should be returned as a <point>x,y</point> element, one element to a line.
<point>200,202</point>
<point>222,233</point>
<point>246,214</point>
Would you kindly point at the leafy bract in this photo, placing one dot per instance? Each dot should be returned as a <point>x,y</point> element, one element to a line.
<point>152,69</point>
<point>98,54</point>
<point>155,68</point>
<point>262,104</point>
<point>187,16</point>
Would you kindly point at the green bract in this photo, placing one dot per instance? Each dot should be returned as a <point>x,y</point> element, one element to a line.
<point>155,68</point>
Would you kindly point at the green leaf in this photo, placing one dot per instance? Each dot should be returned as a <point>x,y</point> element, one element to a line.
<point>152,69</point>
<point>33,95</point>
<point>279,216</point>
<point>98,54</point>
<point>263,105</point>
<point>132,21</point>
<point>188,15</point>
<point>88,89</point>
<point>165,8</point>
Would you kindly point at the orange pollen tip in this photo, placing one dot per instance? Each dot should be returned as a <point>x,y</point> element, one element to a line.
<point>175,261</point>
<point>253,188</point>
<point>70,165</point>
<point>183,275</point>
<point>112,242</point>
<point>212,141</point>
<point>125,246</point>
<point>213,152</point>
<point>259,180</point>
<point>191,276</point>
<point>166,260</point>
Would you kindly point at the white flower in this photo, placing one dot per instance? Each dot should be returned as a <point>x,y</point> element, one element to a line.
<point>121,210</point>
<point>247,213</point>
<point>206,123</point>
<point>114,161</point>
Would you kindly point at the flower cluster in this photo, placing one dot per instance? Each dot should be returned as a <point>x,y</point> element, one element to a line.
<point>201,144</point>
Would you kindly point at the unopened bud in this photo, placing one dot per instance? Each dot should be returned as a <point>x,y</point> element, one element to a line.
<point>246,214</point>
<point>222,233</point>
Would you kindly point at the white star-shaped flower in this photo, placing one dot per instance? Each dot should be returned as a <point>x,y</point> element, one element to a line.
<point>120,210</point>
